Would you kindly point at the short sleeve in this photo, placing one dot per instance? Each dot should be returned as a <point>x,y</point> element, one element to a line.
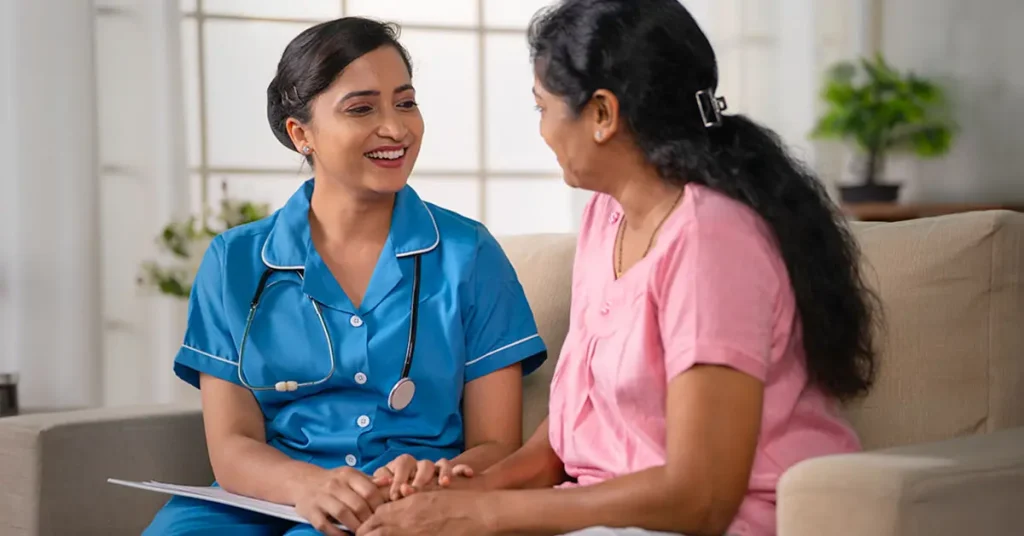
<point>208,346</point>
<point>499,325</point>
<point>718,299</point>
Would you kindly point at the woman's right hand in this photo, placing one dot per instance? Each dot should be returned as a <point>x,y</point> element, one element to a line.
<point>407,475</point>
<point>343,495</point>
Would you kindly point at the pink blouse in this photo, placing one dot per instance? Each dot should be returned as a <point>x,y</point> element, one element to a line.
<point>713,290</point>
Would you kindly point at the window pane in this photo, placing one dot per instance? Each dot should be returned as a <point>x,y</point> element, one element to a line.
<point>304,9</point>
<point>761,18</point>
<point>460,195</point>
<point>445,67</point>
<point>121,91</point>
<point>190,85</point>
<point>506,14</point>
<point>274,190</point>
<point>513,136</point>
<point>453,13</point>
<point>241,59</point>
<point>527,206</point>
<point>725,24</point>
<point>761,84</point>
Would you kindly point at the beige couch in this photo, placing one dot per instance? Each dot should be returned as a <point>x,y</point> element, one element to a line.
<point>944,428</point>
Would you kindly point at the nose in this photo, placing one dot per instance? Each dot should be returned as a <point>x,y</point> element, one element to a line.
<point>393,126</point>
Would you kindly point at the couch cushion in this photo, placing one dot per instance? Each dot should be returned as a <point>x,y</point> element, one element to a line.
<point>950,361</point>
<point>950,351</point>
<point>544,265</point>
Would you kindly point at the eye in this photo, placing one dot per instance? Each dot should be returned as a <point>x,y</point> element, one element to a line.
<point>360,110</point>
<point>408,105</point>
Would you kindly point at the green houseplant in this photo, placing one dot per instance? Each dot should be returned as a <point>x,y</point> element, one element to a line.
<point>882,110</point>
<point>185,242</point>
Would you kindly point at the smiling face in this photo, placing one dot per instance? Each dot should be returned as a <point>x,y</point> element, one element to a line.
<point>365,129</point>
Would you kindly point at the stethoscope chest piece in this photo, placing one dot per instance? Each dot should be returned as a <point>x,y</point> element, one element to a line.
<point>401,394</point>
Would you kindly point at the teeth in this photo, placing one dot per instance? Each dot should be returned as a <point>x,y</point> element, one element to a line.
<point>387,155</point>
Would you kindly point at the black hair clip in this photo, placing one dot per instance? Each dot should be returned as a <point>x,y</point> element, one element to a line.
<point>706,100</point>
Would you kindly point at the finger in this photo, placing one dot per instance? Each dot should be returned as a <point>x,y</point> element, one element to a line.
<point>383,476</point>
<point>444,472</point>
<point>402,468</point>
<point>462,470</point>
<point>424,474</point>
<point>407,490</point>
<point>321,521</point>
<point>374,525</point>
<point>338,511</point>
<point>368,490</point>
<point>357,505</point>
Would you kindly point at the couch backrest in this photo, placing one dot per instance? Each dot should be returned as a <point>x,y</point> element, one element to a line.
<point>952,347</point>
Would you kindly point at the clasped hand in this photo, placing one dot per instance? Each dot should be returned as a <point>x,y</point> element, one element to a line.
<point>348,496</point>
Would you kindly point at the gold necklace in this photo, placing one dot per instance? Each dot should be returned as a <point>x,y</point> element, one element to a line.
<point>650,243</point>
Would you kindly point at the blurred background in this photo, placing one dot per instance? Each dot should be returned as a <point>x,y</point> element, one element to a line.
<point>124,121</point>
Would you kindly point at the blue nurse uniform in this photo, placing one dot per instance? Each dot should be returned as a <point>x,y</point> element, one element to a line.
<point>473,320</point>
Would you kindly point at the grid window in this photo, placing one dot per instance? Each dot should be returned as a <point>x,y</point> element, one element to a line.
<point>472,72</point>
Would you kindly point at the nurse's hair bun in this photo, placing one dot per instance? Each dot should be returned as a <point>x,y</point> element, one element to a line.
<point>314,59</point>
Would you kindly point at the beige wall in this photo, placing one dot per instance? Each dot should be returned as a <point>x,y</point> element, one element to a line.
<point>976,49</point>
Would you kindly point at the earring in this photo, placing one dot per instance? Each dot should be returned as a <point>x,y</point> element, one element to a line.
<point>598,135</point>
<point>306,150</point>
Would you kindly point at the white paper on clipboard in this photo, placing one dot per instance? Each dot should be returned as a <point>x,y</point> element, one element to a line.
<point>218,495</point>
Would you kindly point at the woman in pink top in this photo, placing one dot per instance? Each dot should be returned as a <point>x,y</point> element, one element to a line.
<point>718,317</point>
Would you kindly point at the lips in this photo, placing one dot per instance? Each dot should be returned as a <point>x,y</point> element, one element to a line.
<point>387,153</point>
<point>388,157</point>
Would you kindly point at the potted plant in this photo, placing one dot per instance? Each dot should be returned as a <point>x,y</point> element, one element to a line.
<point>185,242</point>
<point>882,111</point>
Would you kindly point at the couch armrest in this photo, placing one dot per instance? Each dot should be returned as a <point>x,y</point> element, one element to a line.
<point>54,467</point>
<point>972,485</point>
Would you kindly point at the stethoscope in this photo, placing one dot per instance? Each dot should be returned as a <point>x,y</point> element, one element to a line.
<point>403,390</point>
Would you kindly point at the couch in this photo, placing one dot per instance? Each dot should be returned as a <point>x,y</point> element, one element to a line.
<point>943,429</point>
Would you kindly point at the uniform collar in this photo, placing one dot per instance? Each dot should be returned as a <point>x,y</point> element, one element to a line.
<point>289,247</point>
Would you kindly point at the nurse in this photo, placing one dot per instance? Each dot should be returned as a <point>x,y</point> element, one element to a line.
<point>358,323</point>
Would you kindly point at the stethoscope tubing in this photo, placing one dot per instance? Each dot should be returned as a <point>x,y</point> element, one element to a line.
<point>292,385</point>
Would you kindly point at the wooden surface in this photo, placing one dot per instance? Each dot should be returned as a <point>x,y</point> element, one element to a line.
<point>890,212</point>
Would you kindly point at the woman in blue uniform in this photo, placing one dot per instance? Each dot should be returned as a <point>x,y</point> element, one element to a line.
<point>358,323</point>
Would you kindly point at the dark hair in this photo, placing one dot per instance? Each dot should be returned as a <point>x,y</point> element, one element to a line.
<point>314,59</point>
<point>654,57</point>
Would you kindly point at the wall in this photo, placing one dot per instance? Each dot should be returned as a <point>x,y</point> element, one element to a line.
<point>974,48</point>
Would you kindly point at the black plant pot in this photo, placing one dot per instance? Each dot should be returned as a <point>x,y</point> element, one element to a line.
<point>870,193</point>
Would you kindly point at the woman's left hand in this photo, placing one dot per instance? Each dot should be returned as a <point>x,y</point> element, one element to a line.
<point>452,513</point>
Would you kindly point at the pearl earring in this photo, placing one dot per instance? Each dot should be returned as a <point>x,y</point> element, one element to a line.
<point>598,135</point>
<point>306,150</point>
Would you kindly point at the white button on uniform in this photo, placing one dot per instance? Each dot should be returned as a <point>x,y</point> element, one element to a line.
<point>355,321</point>
<point>363,421</point>
<point>360,378</point>
<point>350,460</point>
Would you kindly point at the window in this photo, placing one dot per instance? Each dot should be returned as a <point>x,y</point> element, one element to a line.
<point>481,148</point>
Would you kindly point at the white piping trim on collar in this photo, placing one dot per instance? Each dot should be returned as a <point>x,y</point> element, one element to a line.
<point>437,236</point>
<point>263,256</point>
<point>437,240</point>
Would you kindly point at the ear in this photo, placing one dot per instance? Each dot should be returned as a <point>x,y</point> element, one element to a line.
<point>604,114</point>
<point>300,134</point>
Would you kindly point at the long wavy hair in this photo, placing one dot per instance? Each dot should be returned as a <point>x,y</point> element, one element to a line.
<point>654,57</point>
